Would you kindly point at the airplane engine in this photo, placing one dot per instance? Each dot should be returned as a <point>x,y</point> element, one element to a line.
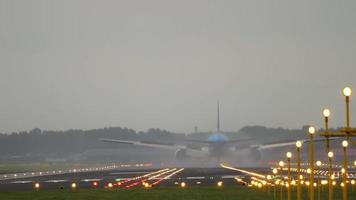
<point>181,154</point>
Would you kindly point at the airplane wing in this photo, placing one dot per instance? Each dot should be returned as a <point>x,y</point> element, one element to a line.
<point>285,143</point>
<point>197,152</point>
<point>145,144</point>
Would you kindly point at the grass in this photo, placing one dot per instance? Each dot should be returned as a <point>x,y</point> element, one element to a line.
<point>162,193</point>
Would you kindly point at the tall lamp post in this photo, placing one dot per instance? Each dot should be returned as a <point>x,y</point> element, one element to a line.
<point>311,162</point>
<point>281,165</point>
<point>344,174</point>
<point>299,193</point>
<point>326,114</point>
<point>289,156</point>
<point>330,156</point>
<point>318,164</point>
<point>275,171</point>
<point>347,93</point>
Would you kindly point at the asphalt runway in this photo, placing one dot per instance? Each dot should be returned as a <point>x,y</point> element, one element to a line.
<point>127,179</point>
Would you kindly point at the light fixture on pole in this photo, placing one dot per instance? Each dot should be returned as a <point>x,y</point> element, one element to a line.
<point>318,164</point>
<point>311,162</point>
<point>344,174</point>
<point>347,92</point>
<point>299,191</point>
<point>275,172</point>
<point>289,156</point>
<point>330,156</point>
<point>326,114</point>
<point>281,165</point>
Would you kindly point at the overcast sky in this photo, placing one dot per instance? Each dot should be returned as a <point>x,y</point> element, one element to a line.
<point>163,64</point>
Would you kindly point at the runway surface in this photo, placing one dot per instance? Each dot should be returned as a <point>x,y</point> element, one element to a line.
<point>114,177</point>
<point>127,179</point>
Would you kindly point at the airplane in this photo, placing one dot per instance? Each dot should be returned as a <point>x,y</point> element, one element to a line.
<point>216,146</point>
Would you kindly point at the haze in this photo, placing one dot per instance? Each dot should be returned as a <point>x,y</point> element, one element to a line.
<point>163,64</point>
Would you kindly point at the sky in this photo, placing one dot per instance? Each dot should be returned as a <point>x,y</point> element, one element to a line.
<point>163,64</point>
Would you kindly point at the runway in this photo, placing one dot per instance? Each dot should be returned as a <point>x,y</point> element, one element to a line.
<point>127,179</point>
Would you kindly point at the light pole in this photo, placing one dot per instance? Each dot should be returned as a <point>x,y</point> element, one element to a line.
<point>299,192</point>
<point>330,155</point>
<point>281,165</point>
<point>311,162</point>
<point>347,91</point>
<point>344,174</point>
<point>318,164</point>
<point>275,171</point>
<point>289,156</point>
<point>326,114</point>
<point>269,178</point>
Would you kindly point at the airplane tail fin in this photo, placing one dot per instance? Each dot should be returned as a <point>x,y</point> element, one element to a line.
<point>218,119</point>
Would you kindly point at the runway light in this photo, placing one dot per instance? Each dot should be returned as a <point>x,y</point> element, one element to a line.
<point>347,91</point>
<point>95,184</point>
<point>73,185</point>
<point>220,184</point>
<point>183,184</point>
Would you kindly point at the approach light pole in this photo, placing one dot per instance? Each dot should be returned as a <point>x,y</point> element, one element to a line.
<point>281,165</point>
<point>344,172</point>
<point>311,162</point>
<point>289,156</point>
<point>326,114</point>
<point>275,171</point>
<point>318,164</point>
<point>299,191</point>
<point>347,92</point>
<point>330,156</point>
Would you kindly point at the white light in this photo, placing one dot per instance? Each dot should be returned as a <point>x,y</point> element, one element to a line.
<point>289,155</point>
<point>275,171</point>
<point>311,130</point>
<point>330,154</point>
<point>298,144</point>
<point>308,170</point>
<point>326,112</point>
<point>318,163</point>
<point>281,163</point>
<point>347,91</point>
<point>345,143</point>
